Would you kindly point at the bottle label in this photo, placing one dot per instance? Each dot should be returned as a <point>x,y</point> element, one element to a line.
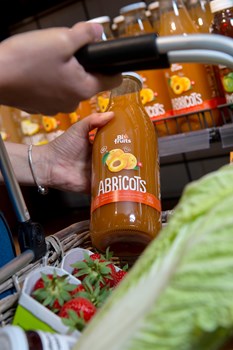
<point>51,341</point>
<point>192,88</point>
<point>123,188</point>
<point>227,83</point>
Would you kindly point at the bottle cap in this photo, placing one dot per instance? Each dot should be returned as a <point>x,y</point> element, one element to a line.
<point>118,19</point>
<point>153,5</point>
<point>13,338</point>
<point>102,19</point>
<point>148,13</point>
<point>218,5</point>
<point>132,7</point>
<point>134,75</point>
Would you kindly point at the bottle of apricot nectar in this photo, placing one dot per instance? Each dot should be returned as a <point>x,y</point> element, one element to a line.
<point>125,208</point>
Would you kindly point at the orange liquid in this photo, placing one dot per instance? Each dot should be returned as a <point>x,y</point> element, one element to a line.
<point>154,95</point>
<point>9,128</point>
<point>201,15</point>
<point>192,87</point>
<point>125,179</point>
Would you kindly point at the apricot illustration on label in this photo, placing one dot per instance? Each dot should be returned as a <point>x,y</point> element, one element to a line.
<point>130,159</point>
<point>114,153</point>
<point>117,160</point>
<point>49,123</point>
<point>102,103</point>
<point>4,135</point>
<point>74,117</point>
<point>227,81</point>
<point>147,95</point>
<point>29,128</point>
<point>179,84</point>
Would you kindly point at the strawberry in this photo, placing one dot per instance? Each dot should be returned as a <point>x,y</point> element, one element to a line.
<point>95,256</point>
<point>52,290</point>
<point>119,275</point>
<point>81,306</point>
<point>109,280</point>
<point>79,288</point>
<point>96,268</point>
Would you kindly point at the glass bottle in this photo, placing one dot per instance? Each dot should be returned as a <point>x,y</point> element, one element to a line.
<point>9,126</point>
<point>200,13</point>
<point>125,207</point>
<point>118,22</point>
<point>190,85</point>
<point>32,128</point>
<point>223,24</point>
<point>55,125</point>
<point>154,93</point>
<point>15,338</point>
<point>101,100</point>
<point>154,9</point>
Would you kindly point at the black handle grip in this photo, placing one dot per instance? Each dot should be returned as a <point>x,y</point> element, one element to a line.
<point>120,55</point>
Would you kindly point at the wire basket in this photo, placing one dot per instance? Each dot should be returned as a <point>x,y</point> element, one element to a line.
<point>58,244</point>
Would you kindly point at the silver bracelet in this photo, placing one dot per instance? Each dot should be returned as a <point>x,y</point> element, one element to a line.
<point>41,189</point>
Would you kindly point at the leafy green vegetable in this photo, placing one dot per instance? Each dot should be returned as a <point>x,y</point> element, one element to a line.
<point>178,295</point>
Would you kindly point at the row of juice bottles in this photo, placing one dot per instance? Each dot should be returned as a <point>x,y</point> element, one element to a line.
<point>183,98</point>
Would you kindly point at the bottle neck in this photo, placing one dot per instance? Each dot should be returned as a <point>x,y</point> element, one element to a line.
<point>175,19</point>
<point>171,5</point>
<point>129,88</point>
<point>136,23</point>
<point>107,32</point>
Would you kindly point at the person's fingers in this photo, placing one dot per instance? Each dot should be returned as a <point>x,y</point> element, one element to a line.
<point>83,33</point>
<point>108,82</point>
<point>95,120</point>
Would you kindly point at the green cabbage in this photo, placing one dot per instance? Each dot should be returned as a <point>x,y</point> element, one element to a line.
<point>179,294</point>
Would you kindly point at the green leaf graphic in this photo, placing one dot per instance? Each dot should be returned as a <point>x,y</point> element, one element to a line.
<point>105,157</point>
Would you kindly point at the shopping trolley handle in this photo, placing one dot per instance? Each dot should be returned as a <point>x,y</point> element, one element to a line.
<point>149,51</point>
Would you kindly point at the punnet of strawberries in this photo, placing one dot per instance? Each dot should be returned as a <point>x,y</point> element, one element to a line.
<point>77,304</point>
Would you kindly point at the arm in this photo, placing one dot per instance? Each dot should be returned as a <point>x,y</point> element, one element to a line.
<point>64,163</point>
<point>38,72</point>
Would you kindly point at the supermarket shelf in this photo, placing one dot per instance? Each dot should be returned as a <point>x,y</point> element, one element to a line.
<point>182,143</point>
<point>192,141</point>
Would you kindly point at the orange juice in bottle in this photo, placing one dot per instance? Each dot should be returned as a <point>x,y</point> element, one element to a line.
<point>125,208</point>
<point>190,85</point>
<point>154,93</point>
<point>200,13</point>
<point>223,24</point>
<point>9,127</point>
<point>32,128</point>
<point>118,24</point>
<point>154,9</point>
<point>101,100</point>
<point>55,125</point>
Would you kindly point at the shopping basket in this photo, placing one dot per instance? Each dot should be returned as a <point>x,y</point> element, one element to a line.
<point>144,52</point>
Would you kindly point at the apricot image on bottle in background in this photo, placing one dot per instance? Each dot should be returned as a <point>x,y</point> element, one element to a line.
<point>180,84</point>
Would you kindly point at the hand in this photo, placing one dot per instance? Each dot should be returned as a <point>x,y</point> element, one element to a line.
<point>65,163</point>
<point>39,74</point>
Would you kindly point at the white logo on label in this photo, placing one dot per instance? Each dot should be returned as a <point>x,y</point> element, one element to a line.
<point>156,110</point>
<point>175,67</point>
<point>103,149</point>
<point>192,100</point>
<point>123,138</point>
<point>118,183</point>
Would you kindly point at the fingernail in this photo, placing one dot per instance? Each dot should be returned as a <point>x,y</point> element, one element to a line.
<point>98,30</point>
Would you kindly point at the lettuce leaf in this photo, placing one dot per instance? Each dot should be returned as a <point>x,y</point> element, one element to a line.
<point>179,293</point>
